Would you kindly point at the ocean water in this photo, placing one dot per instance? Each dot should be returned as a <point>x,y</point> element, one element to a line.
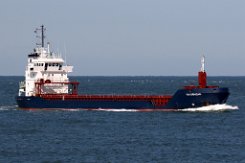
<point>210,134</point>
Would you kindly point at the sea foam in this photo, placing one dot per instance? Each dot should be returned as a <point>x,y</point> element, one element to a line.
<point>8,107</point>
<point>118,110</point>
<point>211,108</point>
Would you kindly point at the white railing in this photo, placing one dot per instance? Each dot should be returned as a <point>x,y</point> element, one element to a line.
<point>67,68</point>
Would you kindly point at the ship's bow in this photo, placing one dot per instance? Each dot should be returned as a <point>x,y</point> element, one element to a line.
<point>198,97</point>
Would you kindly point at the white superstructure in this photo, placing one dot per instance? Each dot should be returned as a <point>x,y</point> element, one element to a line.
<point>47,67</point>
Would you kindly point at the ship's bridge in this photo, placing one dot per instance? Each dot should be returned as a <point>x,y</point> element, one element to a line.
<point>42,60</point>
<point>48,64</point>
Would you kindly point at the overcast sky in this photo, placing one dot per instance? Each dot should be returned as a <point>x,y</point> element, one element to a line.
<point>128,37</point>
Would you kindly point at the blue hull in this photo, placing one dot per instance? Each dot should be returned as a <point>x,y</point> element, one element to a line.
<point>198,97</point>
<point>182,99</point>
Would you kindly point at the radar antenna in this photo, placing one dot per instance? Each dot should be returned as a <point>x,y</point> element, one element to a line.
<point>42,30</point>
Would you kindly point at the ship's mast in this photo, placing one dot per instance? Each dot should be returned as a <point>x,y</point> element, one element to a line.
<point>203,64</point>
<point>42,29</point>
<point>202,76</point>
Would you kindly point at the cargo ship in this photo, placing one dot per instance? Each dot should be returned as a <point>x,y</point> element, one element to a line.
<point>47,86</point>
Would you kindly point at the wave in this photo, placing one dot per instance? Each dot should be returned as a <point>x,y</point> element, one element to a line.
<point>117,110</point>
<point>211,108</point>
<point>8,107</point>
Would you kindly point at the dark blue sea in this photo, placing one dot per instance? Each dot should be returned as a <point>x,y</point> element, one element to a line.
<point>215,135</point>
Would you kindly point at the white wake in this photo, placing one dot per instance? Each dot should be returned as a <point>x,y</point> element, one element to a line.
<point>118,110</point>
<point>9,107</point>
<point>211,108</point>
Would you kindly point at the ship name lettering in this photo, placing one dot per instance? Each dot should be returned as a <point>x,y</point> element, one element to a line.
<point>193,94</point>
